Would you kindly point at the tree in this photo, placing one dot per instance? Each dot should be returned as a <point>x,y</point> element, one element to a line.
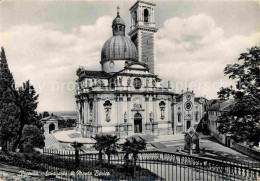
<point>107,144</point>
<point>99,145</point>
<point>9,111</point>
<point>27,102</point>
<point>242,121</point>
<point>133,146</point>
<point>40,116</point>
<point>45,114</point>
<point>77,147</point>
<point>110,146</point>
<point>32,137</point>
<point>17,109</point>
<point>70,122</point>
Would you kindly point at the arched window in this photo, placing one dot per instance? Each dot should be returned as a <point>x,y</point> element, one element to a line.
<point>120,28</point>
<point>107,105</point>
<point>146,15</point>
<point>179,117</point>
<point>113,85</point>
<point>135,17</point>
<point>162,109</point>
<point>196,116</point>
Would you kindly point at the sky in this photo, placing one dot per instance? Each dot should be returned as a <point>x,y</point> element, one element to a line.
<point>46,42</point>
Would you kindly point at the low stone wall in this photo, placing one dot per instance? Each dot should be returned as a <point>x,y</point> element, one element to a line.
<point>218,136</point>
<point>252,152</point>
<point>63,129</point>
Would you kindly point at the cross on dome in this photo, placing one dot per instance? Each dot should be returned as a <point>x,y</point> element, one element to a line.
<point>118,8</point>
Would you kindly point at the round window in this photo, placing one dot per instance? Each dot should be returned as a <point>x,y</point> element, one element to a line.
<point>188,106</point>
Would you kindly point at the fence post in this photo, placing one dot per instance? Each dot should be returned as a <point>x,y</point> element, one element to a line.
<point>76,159</point>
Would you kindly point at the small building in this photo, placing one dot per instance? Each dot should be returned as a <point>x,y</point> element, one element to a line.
<point>50,123</point>
<point>216,109</point>
<point>192,140</point>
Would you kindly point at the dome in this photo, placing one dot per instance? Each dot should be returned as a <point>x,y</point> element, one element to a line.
<point>119,48</point>
<point>118,21</point>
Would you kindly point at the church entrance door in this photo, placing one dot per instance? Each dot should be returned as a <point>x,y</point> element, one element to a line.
<point>138,123</point>
<point>188,124</point>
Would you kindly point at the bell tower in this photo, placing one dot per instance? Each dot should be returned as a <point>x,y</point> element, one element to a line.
<point>142,32</point>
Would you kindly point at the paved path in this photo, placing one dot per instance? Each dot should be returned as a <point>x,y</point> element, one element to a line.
<point>207,144</point>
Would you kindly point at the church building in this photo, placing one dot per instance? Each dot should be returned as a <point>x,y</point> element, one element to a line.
<point>125,97</point>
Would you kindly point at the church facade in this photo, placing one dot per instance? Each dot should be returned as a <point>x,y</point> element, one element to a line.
<point>125,97</point>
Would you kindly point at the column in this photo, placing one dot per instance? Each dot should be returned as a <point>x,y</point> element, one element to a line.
<point>174,115</point>
<point>98,112</point>
<point>94,113</point>
<point>147,122</point>
<point>152,13</point>
<point>80,111</point>
<point>147,108</point>
<point>170,119</point>
<point>154,108</point>
<point>169,109</point>
<point>128,109</point>
<point>117,109</point>
<point>140,13</point>
<point>121,115</point>
<point>131,14</point>
<point>129,120</point>
<point>77,109</point>
<point>85,111</point>
<point>155,126</point>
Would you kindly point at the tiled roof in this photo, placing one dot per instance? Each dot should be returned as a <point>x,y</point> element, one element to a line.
<point>96,74</point>
<point>214,107</point>
<point>218,105</point>
<point>51,118</point>
<point>178,98</point>
<point>227,108</point>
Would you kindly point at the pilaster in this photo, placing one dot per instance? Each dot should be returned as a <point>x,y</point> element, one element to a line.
<point>155,121</point>
<point>174,108</point>
<point>85,110</point>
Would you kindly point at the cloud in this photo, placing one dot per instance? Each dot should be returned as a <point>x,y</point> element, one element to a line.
<point>190,51</point>
<point>49,57</point>
<point>193,52</point>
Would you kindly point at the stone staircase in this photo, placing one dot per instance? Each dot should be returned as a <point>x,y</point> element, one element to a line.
<point>51,142</point>
<point>160,142</point>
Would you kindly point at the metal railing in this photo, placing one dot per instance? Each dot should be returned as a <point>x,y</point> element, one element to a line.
<point>150,165</point>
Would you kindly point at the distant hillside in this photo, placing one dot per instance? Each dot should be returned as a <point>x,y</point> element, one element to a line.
<point>64,113</point>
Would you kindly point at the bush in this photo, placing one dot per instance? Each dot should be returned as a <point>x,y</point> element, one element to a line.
<point>28,161</point>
